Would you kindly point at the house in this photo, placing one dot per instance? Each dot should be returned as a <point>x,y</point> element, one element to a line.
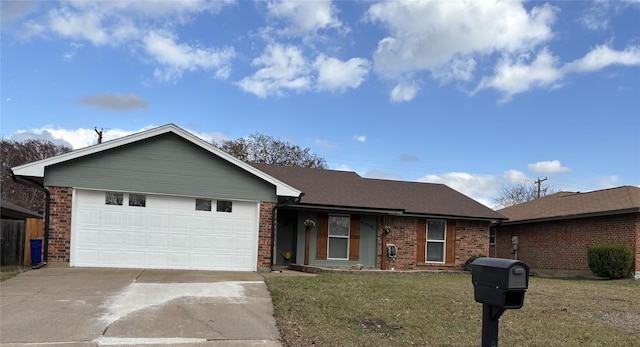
<point>554,232</point>
<point>164,198</point>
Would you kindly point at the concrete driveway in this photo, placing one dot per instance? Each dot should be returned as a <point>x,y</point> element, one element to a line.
<point>122,307</point>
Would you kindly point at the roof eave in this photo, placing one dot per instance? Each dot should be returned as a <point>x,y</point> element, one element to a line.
<point>372,210</point>
<point>574,216</point>
<point>449,216</point>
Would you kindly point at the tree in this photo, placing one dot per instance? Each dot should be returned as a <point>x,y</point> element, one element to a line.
<point>260,148</point>
<point>16,153</point>
<point>517,193</point>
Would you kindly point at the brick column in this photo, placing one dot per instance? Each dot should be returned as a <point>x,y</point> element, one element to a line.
<point>264,236</point>
<point>60,224</point>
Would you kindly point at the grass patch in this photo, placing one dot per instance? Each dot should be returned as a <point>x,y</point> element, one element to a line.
<point>439,310</point>
<point>8,271</point>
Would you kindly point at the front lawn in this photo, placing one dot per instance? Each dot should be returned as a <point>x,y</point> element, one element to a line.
<point>439,310</point>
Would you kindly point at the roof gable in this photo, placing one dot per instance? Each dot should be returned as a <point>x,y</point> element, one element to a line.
<point>564,205</point>
<point>37,168</point>
<point>345,189</point>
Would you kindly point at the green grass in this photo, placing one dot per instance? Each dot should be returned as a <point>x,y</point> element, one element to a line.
<point>439,310</point>
<point>8,271</point>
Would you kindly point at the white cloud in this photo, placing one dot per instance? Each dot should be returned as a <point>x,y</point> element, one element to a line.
<point>336,75</point>
<point>304,17</point>
<point>429,35</point>
<point>515,176</point>
<point>551,166</point>
<point>282,68</point>
<point>360,138</point>
<point>286,68</point>
<point>596,17</point>
<point>178,58</point>
<point>87,25</point>
<point>513,77</point>
<point>404,91</point>
<point>603,56</point>
<point>482,188</point>
<point>134,24</point>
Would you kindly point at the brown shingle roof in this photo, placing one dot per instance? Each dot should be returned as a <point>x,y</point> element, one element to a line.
<point>348,190</point>
<point>575,204</point>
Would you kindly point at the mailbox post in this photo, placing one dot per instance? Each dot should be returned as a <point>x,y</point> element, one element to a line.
<point>499,284</point>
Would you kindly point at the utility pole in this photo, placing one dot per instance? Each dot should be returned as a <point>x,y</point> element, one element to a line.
<point>538,182</point>
<point>99,132</point>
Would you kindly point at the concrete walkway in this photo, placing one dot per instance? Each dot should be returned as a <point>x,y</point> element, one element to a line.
<point>61,306</point>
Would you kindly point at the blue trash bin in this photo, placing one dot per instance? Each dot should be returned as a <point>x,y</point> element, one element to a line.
<point>36,251</point>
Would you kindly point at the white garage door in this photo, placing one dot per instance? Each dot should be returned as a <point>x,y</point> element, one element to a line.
<point>162,232</point>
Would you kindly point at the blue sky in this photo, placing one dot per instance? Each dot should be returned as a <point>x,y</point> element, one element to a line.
<point>472,94</point>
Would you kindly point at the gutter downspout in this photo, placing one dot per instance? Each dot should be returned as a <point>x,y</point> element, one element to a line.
<point>40,187</point>
<point>287,202</point>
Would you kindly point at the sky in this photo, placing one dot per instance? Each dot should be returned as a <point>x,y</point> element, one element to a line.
<point>476,95</point>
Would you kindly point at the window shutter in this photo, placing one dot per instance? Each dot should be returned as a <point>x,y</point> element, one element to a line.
<point>323,236</point>
<point>450,243</point>
<point>354,239</point>
<point>421,241</point>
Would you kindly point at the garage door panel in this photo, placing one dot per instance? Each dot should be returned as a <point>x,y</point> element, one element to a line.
<point>112,217</point>
<point>110,257</point>
<point>168,233</point>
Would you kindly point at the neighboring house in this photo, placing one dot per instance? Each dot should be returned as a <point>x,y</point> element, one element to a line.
<point>164,198</point>
<point>554,232</point>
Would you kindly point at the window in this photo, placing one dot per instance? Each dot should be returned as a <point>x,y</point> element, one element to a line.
<point>203,205</point>
<point>436,230</point>
<point>492,236</point>
<point>339,236</point>
<point>111,198</point>
<point>139,200</point>
<point>224,206</point>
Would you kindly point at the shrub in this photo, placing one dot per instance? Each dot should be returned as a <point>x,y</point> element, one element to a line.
<point>467,264</point>
<point>612,261</point>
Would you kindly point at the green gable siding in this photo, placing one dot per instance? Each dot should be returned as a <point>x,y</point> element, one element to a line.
<point>165,164</point>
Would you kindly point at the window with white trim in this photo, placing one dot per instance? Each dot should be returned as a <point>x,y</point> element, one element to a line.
<point>139,200</point>
<point>224,206</point>
<point>203,204</point>
<point>436,236</point>
<point>339,236</point>
<point>112,198</point>
<point>492,236</point>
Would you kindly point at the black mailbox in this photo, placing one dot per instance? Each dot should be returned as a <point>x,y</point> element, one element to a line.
<point>500,282</point>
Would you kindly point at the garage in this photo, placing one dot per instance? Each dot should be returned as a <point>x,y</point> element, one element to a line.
<point>133,230</point>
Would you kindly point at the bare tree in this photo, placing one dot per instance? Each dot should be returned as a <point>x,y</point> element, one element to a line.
<point>260,148</point>
<point>15,153</point>
<point>517,193</point>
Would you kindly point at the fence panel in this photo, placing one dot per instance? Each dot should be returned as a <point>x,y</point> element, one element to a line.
<point>12,239</point>
<point>34,230</point>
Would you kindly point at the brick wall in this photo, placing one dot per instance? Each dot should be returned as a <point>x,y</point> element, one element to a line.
<point>60,224</point>
<point>562,245</point>
<point>472,238</point>
<point>264,236</point>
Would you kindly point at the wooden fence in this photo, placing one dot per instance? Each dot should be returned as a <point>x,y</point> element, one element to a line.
<point>15,236</point>
<point>35,229</point>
